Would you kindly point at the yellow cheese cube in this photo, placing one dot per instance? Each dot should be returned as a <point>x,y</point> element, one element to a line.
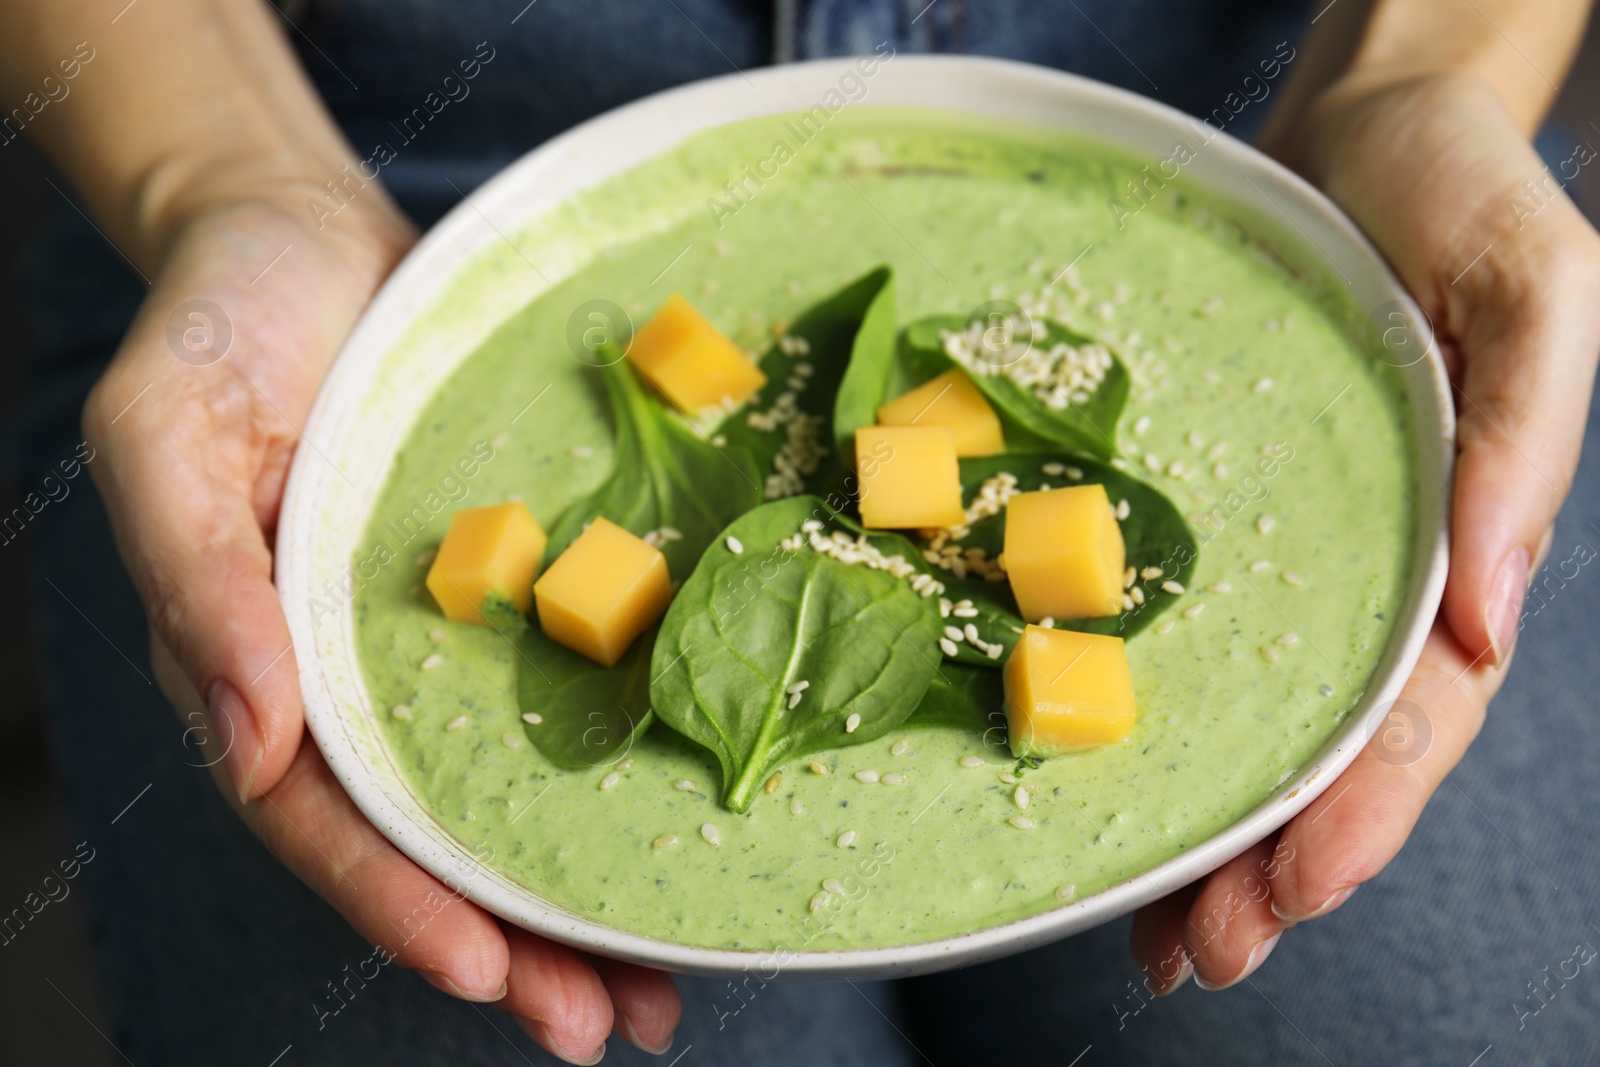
<point>691,361</point>
<point>908,477</point>
<point>1066,690</point>
<point>606,589</point>
<point>486,550</point>
<point>949,400</point>
<point>1064,553</point>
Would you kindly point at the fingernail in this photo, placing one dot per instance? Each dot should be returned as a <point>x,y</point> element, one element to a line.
<point>237,733</point>
<point>536,1029</point>
<point>442,983</point>
<point>1184,974</point>
<point>1258,956</point>
<point>633,1037</point>
<point>1504,612</point>
<point>1317,912</point>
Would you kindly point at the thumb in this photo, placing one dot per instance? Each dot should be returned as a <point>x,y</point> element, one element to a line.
<point>1528,334</point>
<point>177,479</point>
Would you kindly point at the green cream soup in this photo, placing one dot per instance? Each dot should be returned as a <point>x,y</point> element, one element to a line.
<point>1240,350</point>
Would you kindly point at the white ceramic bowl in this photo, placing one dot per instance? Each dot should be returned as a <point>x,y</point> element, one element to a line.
<point>393,363</point>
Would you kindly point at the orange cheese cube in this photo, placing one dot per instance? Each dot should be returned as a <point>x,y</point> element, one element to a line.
<point>908,477</point>
<point>1065,691</point>
<point>949,400</point>
<point>486,550</point>
<point>1064,553</point>
<point>691,361</point>
<point>606,589</point>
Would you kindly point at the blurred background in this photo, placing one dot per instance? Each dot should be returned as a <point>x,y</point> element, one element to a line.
<point>51,1011</point>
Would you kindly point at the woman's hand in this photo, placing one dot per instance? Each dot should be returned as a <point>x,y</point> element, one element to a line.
<point>1436,171</point>
<point>193,444</point>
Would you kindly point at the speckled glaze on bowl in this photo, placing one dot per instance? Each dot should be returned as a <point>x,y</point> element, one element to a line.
<point>404,347</point>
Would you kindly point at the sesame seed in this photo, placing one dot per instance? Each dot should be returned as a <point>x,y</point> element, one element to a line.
<point>581,452</point>
<point>456,723</point>
<point>1020,797</point>
<point>720,441</point>
<point>1136,594</point>
<point>610,780</point>
<point>1217,451</point>
<point>1123,511</point>
<point>900,747</point>
<point>1193,611</point>
<point>971,633</point>
<point>683,785</point>
<point>1075,473</point>
<point>846,839</point>
<point>1176,469</point>
<point>1269,653</point>
<point>1141,425</point>
<point>1021,822</point>
<point>1129,576</point>
<point>511,740</point>
<point>1259,565</point>
<point>1220,587</point>
<point>866,777</point>
<point>820,900</point>
<point>1152,461</point>
<point>894,778</point>
<point>1291,578</point>
<point>1288,639</point>
<point>438,637</point>
<point>735,545</point>
<point>795,807</point>
<point>1173,587</point>
<point>993,651</point>
<point>799,687</point>
<point>1195,440</point>
<point>1048,623</point>
<point>1164,627</point>
<point>1151,573</point>
<point>1007,778</point>
<point>1262,385</point>
<point>402,711</point>
<point>948,647</point>
<point>665,841</point>
<point>532,718</point>
<point>1053,469</point>
<point>625,764</point>
<point>1265,523</point>
<point>432,661</point>
<point>774,782</point>
<point>818,768</point>
<point>944,608</point>
<point>971,762</point>
<point>954,633</point>
<point>964,613</point>
<point>671,533</point>
<point>794,700</point>
<point>851,723</point>
<point>1219,470</point>
<point>1067,891</point>
<point>709,832</point>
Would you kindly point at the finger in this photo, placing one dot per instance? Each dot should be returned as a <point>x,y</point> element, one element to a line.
<point>1522,403</point>
<point>1350,833</point>
<point>557,998</point>
<point>1157,941</point>
<point>646,1003</point>
<point>1231,928</point>
<point>176,471</point>
<point>313,828</point>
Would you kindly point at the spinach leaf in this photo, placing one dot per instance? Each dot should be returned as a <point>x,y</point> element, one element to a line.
<point>589,715</point>
<point>865,385</point>
<point>663,475</point>
<point>747,627</point>
<point>1088,428</point>
<point>859,316</point>
<point>1155,533</point>
<point>965,698</point>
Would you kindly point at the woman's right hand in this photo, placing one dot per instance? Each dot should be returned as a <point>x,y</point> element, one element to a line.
<point>193,443</point>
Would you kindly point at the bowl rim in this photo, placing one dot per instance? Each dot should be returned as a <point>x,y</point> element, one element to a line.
<point>681,112</point>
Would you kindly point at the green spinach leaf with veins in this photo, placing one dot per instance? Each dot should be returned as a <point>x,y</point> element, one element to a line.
<point>663,474</point>
<point>859,315</point>
<point>587,715</point>
<point>1087,429</point>
<point>747,627</point>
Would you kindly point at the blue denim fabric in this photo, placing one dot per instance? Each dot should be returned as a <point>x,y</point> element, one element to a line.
<point>212,953</point>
